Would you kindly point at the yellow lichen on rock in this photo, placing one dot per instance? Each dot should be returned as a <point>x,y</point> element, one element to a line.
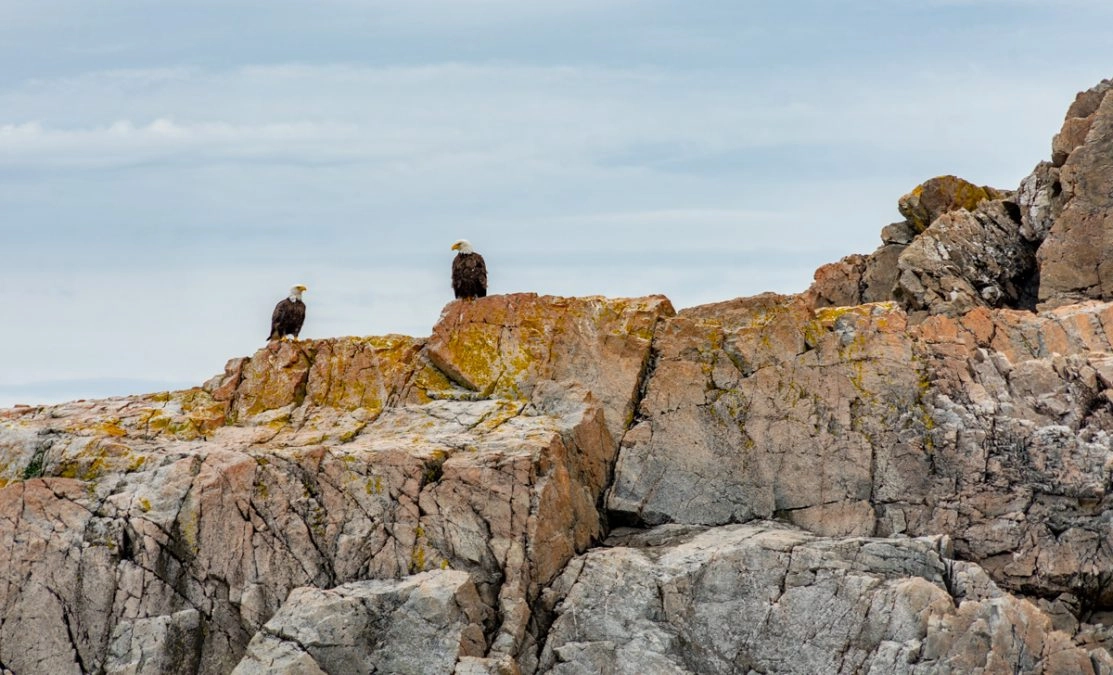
<point>941,194</point>
<point>503,346</point>
<point>350,373</point>
<point>471,355</point>
<point>97,458</point>
<point>275,377</point>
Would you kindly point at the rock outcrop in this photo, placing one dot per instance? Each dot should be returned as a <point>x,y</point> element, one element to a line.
<point>421,624</point>
<point>1076,258</point>
<point>963,246</point>
<point>769,599</point>
<point>145,527</point>
<point>905,469</point>
<point>993,428</point>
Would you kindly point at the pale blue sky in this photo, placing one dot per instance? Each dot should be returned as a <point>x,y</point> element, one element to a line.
<point>169,169</point>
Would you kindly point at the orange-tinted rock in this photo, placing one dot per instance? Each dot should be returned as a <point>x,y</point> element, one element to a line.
<point>940,195</point>
<point>839,283</point>
<point>502,346</point>
<point>1076,257</point>
<point>316,463</point>
<point>846,421</point>
<point>456,482</point>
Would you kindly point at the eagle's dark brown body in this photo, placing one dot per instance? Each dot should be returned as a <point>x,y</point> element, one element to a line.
<point>469,276</point>
<point>289,315</point>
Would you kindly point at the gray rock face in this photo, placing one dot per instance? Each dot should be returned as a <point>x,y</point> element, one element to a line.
<point>966,259</point>
<point>159,644</point>
<point>961,246</point>
<point>849,422</point>
<point>113,569</point>
<point>1038,198</point>
<point>770,409</point>
<point>422,624</point>
<point>770,599</point>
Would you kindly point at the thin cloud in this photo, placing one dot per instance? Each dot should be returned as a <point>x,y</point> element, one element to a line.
<point>459,116</point>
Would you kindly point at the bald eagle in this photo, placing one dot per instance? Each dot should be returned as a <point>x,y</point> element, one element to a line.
<point>289,315</point>
<point>469,272</point>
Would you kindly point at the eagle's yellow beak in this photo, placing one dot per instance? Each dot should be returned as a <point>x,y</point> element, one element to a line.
<point>456,246</point>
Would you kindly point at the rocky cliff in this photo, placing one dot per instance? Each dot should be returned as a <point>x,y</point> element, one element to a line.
<point>904,469</point>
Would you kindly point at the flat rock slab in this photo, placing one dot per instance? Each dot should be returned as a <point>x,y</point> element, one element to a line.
<point>766,598</point>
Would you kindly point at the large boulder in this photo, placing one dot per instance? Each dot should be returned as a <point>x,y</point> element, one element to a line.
<point>421,624</point>
<point>769,599</point>
<point>942,194</point>
<point>960,246</point>
<point>502,346</point>
<point>966,259</point>
<point>771,409</point>
<point>1076,257</point>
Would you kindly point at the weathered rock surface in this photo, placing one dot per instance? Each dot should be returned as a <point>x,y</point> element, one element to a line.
<point>421,624</point>
<point>967,259</point>
<point>1076,258</point>
<point>770,599</point>
<point>940,195</point>
<point>959,247</point>
<point>904,469</point>
<point>189,517</point>
<point>992,428</point>
<point>506,345</point>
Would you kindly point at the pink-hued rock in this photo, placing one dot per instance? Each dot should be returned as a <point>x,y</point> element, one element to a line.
<point>937,457</point>
<point>993,427</point>
<point>1076,257</point>
<point>504,345</point>
<point>186,518</point>
<point>967,259</point>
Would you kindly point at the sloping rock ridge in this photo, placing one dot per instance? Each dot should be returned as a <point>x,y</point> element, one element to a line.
<point>904,469</point>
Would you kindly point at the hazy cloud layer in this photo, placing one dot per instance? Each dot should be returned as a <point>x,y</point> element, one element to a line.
<point>166,173</point>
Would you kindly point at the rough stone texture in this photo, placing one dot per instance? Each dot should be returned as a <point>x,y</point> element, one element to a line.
<point>747,396</point>
<point>1038,198</point>
<point>1079,119</point>
<point>966,259</point>
<point>768,599</point>
<point>879,278</point>
<point>160,644</point>
<point>940,195</point>
<point>422,624</point>
<point>344,500</point>
<point>992,428</point>
<point>311,464</point>
<point>838,284</point>
<point>1076,258</point>
<point>502,346</point>
<point>857,279</point>
<point>961,246</point>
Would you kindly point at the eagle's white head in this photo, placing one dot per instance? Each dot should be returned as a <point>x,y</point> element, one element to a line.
<point>463,246</point>
<point>296,291</point>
